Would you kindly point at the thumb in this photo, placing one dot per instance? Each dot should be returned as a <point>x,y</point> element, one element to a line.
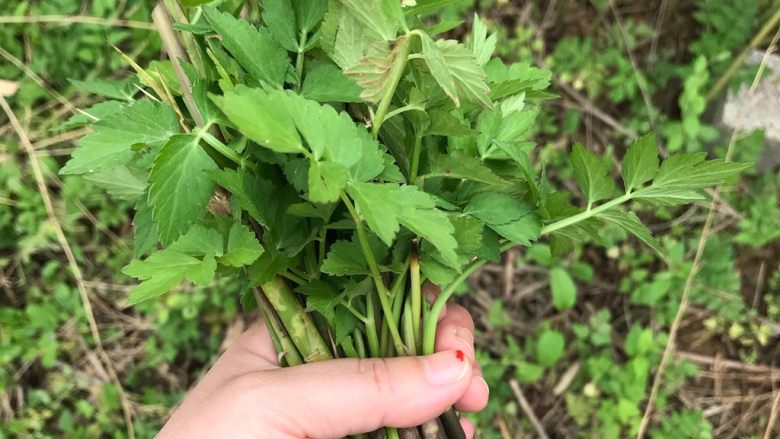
<point>349,396</point>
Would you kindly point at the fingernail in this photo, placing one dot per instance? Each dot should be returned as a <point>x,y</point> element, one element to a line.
<point>446,367</point>
<point>464,334</point>
<point>484,383</point>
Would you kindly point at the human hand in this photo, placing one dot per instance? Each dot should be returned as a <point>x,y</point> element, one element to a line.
<point>247,395</point>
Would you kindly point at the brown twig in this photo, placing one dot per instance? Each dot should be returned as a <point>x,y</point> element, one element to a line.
<point>74,267</point>
<point>76,19</point>
<point>527,409</point>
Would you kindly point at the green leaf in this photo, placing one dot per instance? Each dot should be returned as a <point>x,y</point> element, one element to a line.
<point>243,248</point>
<point>122,89</point>
<point>164,269</point>
<point>326,83</point>
<point>145,230</point>
<point>279,17</point>
<point>179,186</point>
<point>481,44</point>
<point>443,123</point>
<point>112,141</point>
<point>640,163</point>
<point>591,174</point>
<point>262,117</point>
<point>251,191</point>
<point>372,72</point>
<point>629,222</point>
<point>326,181</point>
<point>550,347</point>
<point>459,165</point>
<point>378,16</point>
<point>509,217</point>
<point>120,182</point>
<point>309,12</point>
<point>455,69</point>
<point>268,265</point>
<point>564,292</point>
<point>386,206</point>
<point>428,7</point>
<point>690,172</point>
<point>254,49</point>
<point>159,273</point>
<point>345,258</point>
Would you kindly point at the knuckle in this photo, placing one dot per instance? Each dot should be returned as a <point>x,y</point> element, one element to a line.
<point>378,374</point>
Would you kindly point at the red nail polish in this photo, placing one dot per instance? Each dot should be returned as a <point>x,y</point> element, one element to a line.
<point>459,355</point>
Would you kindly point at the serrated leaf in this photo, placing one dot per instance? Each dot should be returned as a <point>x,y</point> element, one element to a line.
<point>564,291</point>
<point>279,17</point>
<point>262,117</point>
<point>345,258</point>
<point>511,218</point>
<point>386,206</point>
<point>591,174</point>
<point>90,115</point>
<point>122,89</point>
<point>111,142</point>
<point>456,71</point>
<point>119,182</point>
<point>250,190</point>
<point>691,171</point>
<point>459,165</point>
<point>326,83</point>
<point>180,187</point>
<point>372,72</point>
<point>428,7</point>
<point>309,12</point>
<point>254,49</point>
<point>144,228</point>
<point>326,181</point>
<point>640,163</point>
<point>481,44</point>
<point>164,269</point>
<point>377,16</point>
<point>243,248</point>
<point>629,222</point>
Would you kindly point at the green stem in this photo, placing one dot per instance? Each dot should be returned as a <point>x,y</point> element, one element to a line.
<point>416,295</point>
<point>359,345</point>
<point>371,335</point>
<point>396,71</point>
<point>299,57</point>
<point>582,216</point>
<point>415,159</point>
<point>281,339</point>
<point>410,334</point>
<point>219,146</point>
<point>375,274</point>
<point>296,321</point>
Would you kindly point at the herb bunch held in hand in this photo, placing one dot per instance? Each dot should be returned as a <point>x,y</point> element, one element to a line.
<point>335,156</point>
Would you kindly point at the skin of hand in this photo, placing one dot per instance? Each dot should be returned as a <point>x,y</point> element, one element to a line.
<point>246,395</point>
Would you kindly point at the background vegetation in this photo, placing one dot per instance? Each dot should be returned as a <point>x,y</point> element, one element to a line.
<point>620,68</point>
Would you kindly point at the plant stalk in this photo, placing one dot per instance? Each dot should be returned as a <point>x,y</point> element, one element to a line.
<point>416,295</point>
<point>282,342</point>
<point>296,321</point>
<point>393,78</point>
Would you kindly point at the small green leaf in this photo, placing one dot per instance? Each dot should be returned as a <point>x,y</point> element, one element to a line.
<point>481,44</point>
<point>345,258</point>
<point>279,17</point>
<point>262,117</point>
<point>309,12</point>
<point>372,72</point>
<point>629,222</point>
<point>144,228</point>
<point>111,142</point>
<point>255,49</point>
<point>550,347</point>
<point>243,248</point>
<point>564,292</point>
<point>591,174</point>
<point>120,182</point>
<point>159,273</point>
<point>378,16</point>
<point>640,163</point>
<point>180,187</point>
<point>326,83</point>
<point>459,165</point>
<point>326,181</point>
<point>455,69</point>
<point>511,218</point>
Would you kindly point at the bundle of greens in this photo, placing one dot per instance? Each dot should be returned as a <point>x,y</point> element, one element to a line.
<point>334,155</point>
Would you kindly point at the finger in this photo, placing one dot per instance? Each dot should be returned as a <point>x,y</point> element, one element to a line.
<point>364,395</point>
<point>468,427</point>
<point>456,331</point>
<point>254,342</point>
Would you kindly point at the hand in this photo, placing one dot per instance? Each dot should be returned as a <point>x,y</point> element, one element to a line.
<point>247,395</point>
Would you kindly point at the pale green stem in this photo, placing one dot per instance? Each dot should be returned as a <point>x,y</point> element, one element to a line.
<point>396,71</point>
<point>299,58</point>
<point>384,299</point>
<point>415,159</point>
<point>416,297</point>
